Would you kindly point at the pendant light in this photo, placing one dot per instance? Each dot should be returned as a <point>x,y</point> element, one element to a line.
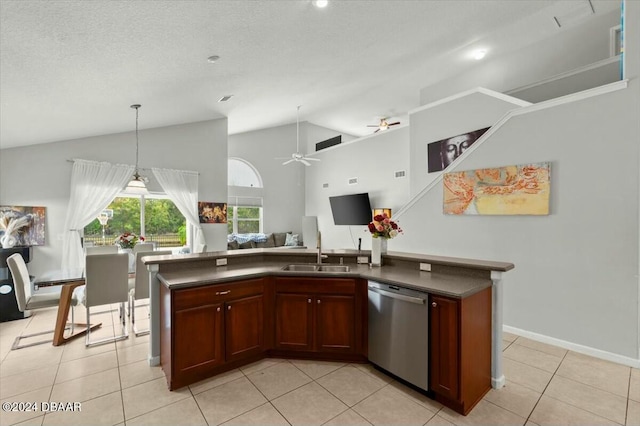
<point>136,185</point>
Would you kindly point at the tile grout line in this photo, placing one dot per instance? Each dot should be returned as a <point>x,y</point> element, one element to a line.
<point>545,388</point>
<point>626,412</point>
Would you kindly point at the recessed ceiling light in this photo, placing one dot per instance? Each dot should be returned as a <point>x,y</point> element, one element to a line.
<point>212,59</point>
<point>479,54</point>
<point>320,3</point>
<point>225,98</point>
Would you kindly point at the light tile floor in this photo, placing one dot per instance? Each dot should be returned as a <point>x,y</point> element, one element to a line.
<point>546,385</point>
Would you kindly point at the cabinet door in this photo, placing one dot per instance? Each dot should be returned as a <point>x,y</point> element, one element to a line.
<point>335,323</point>
<point>244,327</point>
<point>198,338</point>
<point>444,332</point>
<point>294,322</point>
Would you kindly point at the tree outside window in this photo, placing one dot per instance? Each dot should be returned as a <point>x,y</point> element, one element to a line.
<point>163,222</point>
<point>243,220</point>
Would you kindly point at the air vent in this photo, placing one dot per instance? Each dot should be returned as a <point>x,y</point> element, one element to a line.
<point>225,98</point>
<point>353,181</point>
<point>401,174</point>
<point>325,185</point>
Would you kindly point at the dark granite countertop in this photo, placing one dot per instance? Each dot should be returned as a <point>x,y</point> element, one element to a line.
<point>457,286</point>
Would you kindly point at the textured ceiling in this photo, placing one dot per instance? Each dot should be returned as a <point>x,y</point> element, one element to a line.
<point>70,69</point>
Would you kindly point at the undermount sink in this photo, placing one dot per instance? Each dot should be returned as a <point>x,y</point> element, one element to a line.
<point>316,268</point>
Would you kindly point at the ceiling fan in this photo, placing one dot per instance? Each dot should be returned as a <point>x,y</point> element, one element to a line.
<point>384,124</point>
<point>297,156</point>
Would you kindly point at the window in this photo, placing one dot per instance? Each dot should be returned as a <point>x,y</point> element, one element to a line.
<point>243,220</point>
<point>244,209</point>
<point>153,216</point>
<point>242,173</point>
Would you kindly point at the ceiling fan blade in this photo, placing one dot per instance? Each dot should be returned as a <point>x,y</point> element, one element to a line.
<point>311,159</point>
<point>305,162</point>
<point>373,125</point>
<point>377,130</point>
<point>288,161</point>
<point>393,124</point>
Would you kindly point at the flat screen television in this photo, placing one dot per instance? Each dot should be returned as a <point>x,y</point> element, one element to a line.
<point>353,209</point>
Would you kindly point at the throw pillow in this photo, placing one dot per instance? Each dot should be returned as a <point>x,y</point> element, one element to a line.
<point>233,245</point>
<point>291,240</point>
<point>279,238</point>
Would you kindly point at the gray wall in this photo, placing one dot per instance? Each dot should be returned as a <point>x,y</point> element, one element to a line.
<point>576,269</point>
<point>39,175</point>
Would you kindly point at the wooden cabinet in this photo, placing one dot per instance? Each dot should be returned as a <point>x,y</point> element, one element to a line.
<point>319,315</point>
<point>460,349</point>
<point>206,328</point>
<point>244,333</point>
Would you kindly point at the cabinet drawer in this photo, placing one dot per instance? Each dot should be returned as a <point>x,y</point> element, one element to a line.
<point>214,293</point>
<point>315,285</point>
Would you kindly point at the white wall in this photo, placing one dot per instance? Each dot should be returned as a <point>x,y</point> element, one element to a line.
<point>510,70</point>
<point>283,193</point>
<point>317,134</point>
<point>373,160</point>
<point>284,186</point>
<point>39,175</point>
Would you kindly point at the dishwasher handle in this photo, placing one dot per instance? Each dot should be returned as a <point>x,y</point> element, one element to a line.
<point>416,300</point>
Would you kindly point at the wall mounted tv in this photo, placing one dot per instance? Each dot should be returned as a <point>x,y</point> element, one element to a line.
<point>353,209</point>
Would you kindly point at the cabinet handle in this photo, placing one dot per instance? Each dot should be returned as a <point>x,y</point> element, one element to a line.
<point>434,304</point>
<point>308,300</point>
<point>318,301</point>
<point>228,307</point>
<point>218,309</point>
<point>219,293</point>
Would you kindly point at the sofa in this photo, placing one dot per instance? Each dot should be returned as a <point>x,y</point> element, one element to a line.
<point>259,240</point>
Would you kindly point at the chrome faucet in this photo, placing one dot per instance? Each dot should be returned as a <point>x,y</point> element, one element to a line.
<point>319,260</point>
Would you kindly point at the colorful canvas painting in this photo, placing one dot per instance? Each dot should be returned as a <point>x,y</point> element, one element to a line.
<point>33,233</point>
<point>511,190</point>
<point>212,212</point>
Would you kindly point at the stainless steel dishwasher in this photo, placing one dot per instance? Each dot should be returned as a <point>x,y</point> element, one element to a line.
<point>399,332</point>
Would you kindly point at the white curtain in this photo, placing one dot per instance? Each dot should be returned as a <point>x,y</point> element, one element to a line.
<point>93,186</point>
<point>182,187</point>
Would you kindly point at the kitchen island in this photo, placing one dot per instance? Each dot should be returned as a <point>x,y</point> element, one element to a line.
<point>216,311</point>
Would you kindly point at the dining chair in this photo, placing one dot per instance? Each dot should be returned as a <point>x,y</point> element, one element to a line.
<point>138,248</point>
<point>28,301</point>
<point>100,250</point>
<point>106,278</point>
<point>140,288</point>
<point>143,247</point>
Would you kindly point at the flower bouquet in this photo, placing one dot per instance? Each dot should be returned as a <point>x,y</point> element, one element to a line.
<point>383,227</point>
<point>128,240</point>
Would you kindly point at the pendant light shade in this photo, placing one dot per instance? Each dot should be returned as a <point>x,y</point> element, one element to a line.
<point>136,185</point>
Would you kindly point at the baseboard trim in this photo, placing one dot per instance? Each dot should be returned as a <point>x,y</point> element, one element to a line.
<point>154,360</point>
<point>586,350</point>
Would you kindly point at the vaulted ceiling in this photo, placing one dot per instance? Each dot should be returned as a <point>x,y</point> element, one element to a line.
<point>70,69</point>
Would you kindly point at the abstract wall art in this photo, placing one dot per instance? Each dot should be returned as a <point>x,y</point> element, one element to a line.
<point>212,212</point>
<point>512,190</point>
<point>32,233</point>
